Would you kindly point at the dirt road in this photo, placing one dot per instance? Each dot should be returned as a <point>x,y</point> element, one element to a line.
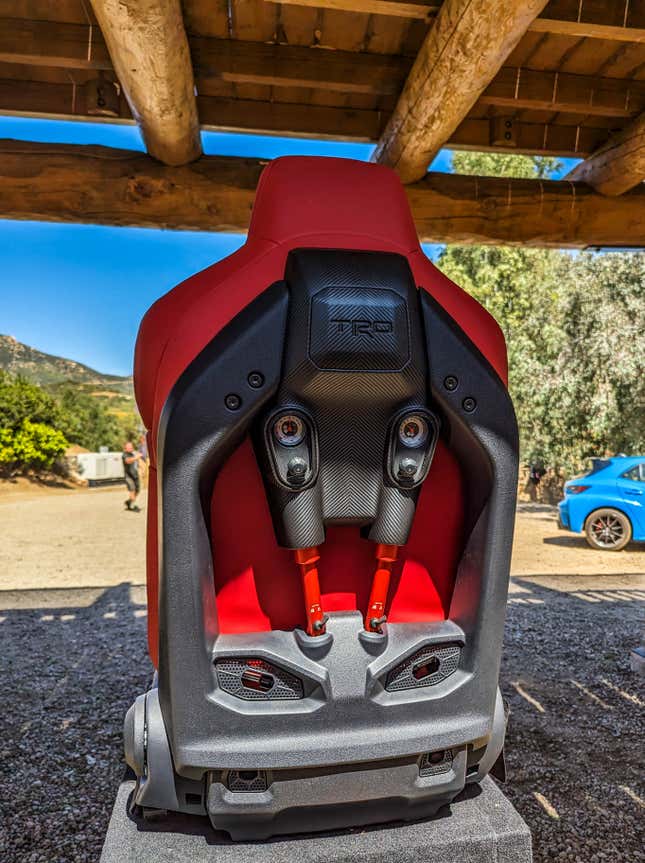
<point>67,538</point>
<point>63,538</point>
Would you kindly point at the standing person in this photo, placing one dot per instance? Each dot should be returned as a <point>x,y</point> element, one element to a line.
<point>143,447</point>
<point>131,459</point>
<point>536,472</point>
<point>143,463</point>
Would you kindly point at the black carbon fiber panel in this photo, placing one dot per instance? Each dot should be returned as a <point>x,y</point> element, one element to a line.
<point>354,359</point>
<point>426,667</point>
<point>358,329</point>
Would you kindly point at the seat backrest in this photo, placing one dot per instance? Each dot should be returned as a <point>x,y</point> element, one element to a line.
<point>339,236</point>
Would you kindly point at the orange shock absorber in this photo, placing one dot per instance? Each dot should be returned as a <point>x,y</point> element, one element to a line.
<point>385,558</point>
<point>307,559</point>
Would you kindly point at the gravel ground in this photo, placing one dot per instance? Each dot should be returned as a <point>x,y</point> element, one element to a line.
<point>74,659</point>
<point>576,731</point>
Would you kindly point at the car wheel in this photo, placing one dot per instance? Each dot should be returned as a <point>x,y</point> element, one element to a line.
<point>608,530</point>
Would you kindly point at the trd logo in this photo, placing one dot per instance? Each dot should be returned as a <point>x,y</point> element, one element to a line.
<point>360,327</point>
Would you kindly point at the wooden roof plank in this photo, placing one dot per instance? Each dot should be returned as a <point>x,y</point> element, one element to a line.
<point>545,139</point>
<point>206,17</point>
<point>68,11</point>
<point>391,8</point>
<point>560,26</point>
<point>219,110</point>
<point>50,43</point>
<point>585,29</point>
<point>315,121</point>
<point>71,46</point>
<point>518,88</point>
<point>288,66</point>
<point>462,53</point>
<point>254,20</point>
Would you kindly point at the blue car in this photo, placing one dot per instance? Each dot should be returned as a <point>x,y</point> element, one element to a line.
<point>608,503</point>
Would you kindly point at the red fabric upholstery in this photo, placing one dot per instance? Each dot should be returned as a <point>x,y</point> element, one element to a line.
<point>304,202</point>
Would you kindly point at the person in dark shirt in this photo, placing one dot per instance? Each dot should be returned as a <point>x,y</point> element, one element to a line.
<point>131,460</point>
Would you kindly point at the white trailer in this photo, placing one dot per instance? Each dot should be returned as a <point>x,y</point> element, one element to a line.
<point>99,467</point>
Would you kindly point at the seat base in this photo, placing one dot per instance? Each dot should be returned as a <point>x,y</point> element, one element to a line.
<point>480,824</point>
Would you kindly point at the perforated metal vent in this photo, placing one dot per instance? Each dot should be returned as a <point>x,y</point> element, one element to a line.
<point>434,763</point>
<point>256,680</point>
<point>247,781</point>
<point>426,667</point>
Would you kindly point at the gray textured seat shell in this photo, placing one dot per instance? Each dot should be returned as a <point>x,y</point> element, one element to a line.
<point>349,752</point>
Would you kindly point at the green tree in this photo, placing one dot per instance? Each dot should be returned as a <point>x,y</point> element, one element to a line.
<point>594,385</point>
<point>504,165</point>
<point>493,274</point>
<point>21,400</point>
<point>86,421</point>
<point>574,331</point>
<point>513,284</point>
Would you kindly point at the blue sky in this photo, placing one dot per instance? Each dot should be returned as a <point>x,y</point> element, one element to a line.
<point>79,291</point>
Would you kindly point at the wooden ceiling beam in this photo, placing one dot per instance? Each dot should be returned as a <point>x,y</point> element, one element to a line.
<point>98,185</point>
<point>149,51</point>
<point>617,166</point>
<point>461,54</point>
<point>455,208</point>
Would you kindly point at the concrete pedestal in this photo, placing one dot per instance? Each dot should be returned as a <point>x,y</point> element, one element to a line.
<point>481,826</point>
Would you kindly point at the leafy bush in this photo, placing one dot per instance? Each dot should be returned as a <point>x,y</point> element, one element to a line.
<point>32,445</point>
<point>36,425</point>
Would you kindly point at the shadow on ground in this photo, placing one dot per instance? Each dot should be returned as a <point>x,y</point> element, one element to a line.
<point>579,542</point>
<point>530,507</point>
<point>570,541</point>
<point>75,660</point>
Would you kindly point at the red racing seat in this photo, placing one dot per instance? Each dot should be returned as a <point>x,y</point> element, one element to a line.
<point>230,618</point>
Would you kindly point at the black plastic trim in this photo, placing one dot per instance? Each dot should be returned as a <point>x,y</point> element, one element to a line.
<point>486,444</point>
<point>197,433</point>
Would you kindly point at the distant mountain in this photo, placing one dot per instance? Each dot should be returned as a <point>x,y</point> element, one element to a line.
<point>49,371</point>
